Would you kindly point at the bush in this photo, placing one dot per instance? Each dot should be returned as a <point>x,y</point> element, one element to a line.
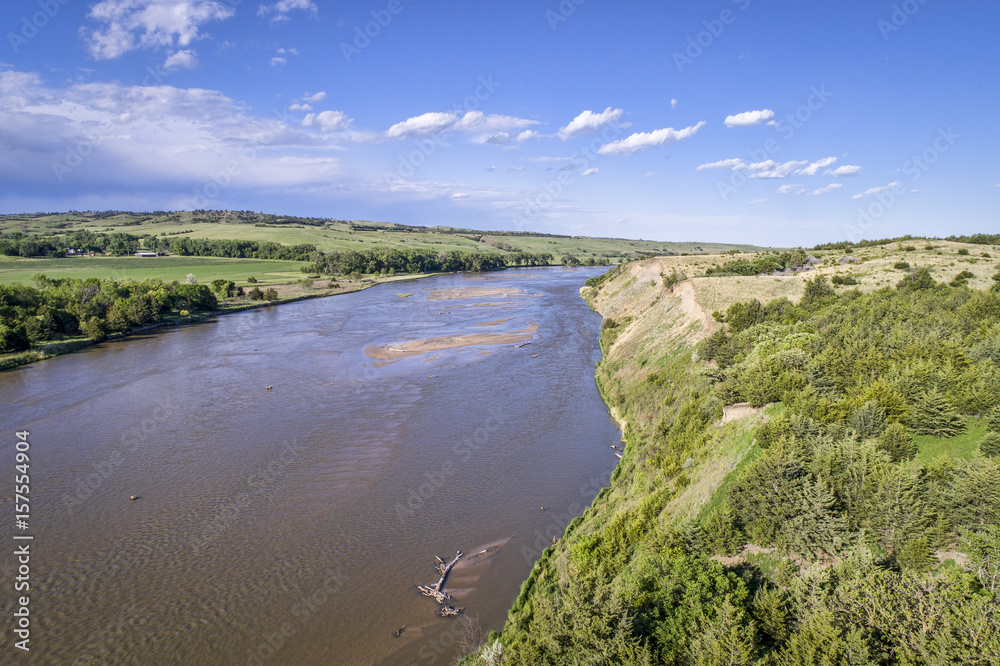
<point>256,294</point>
<point>963,252</point>
<point>845,280</point>
<point>902,265</point>
<point>270,294</point>
<point>990,444</point>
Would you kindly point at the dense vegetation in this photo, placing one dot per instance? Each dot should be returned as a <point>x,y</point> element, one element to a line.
<point>819,546</point>
<point>96,308</point>
<point>391,261</point>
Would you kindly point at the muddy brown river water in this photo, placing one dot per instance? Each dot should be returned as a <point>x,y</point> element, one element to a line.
<point>289,525</point>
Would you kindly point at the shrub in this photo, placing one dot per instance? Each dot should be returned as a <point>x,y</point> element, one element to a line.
<point>909,248</point>
<point>844,280</point>
<point>256,294</point>
<point>963,252</point>
<point>270,294</point>
<point>902,265</point>
<point>252,280</point>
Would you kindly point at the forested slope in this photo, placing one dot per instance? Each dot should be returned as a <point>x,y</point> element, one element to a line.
<point>804,482</point>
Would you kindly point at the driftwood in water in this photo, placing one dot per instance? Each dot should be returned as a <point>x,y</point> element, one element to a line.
<point>449,611</point>
<point>618,454</point>
<point>435,590</point>
<point>429,591</point>
<point>443,569</point>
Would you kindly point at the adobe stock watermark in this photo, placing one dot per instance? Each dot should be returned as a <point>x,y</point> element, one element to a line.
<point>562,13</point>
<point>699,43</point>
<point>462,452</point>
<point>555,188</point>
<point>786,129</point>
<point>31,25</point>
<point>425,147</point>
<point>86,486</point>
<point>363,35</point>
<point>886,197</point>
<point>900,15</point>
<point>547,536</point>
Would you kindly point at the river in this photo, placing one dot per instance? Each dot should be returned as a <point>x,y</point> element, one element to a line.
<point>290,524</point>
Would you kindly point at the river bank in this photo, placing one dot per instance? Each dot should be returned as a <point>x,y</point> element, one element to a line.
<point>293,293</point>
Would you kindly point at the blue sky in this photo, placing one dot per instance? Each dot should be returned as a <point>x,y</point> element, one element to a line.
<point>774,123</point>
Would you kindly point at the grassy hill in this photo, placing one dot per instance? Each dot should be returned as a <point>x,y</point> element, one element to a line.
<point>801,480</point>
<point>332,234</point>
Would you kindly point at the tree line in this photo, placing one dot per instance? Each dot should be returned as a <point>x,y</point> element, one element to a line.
<point>97,308</point>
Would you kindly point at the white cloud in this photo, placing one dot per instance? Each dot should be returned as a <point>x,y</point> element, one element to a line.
<point>791,189</point>
<point>588,121</point>
<point>317,97</point>
<point>826,190</point>
<point>459,195</point>
<point>814,168</point>
<point>749,118</point>
<point>425,124</point>
<point>875,190</point>
<point>184,59</point>
<point>732,163</point>
<point>279,10</point>
<point>491,128</point>
<point>673,104</point>
<point>772,169</point>
<point>527,134</point>
<point>132,24</point>
<point>300,107</point>
<point>643,140</point>
<point>328,121</point>
<point>756,201</point>
<point>277,61</point>
<point>516,169</point>
<point>589,172</point>
<point>498,139</point>
<point>844,171</point>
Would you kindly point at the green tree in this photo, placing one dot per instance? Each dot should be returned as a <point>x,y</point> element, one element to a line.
<point>95,329</point>
<point>935,415</point>
<point>256,294</point>
<point>270,294</point>
<point>896,441</point>
<point>990,444</point>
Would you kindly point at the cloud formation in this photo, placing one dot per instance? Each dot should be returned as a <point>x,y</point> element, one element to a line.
<point>875,190</point>
<point>589,122</point>
<point>133,24</point>
<point>279,10</point>
<point>493,128</point>
<point>643,140</point>
<point>772,169</point>
<point>328,121</point>
<point>749,118</point>
<point>845,171</point>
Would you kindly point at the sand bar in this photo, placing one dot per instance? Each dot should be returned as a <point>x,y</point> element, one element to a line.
<point>471,292</point>
<point>494,323</point>
<point>418,347</point>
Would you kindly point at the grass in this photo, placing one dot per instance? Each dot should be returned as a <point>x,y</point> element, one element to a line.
<point>205,269</point>
<point>339,235</point>
<point>964,445</point>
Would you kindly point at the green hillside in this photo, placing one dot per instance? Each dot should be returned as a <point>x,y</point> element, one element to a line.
<point>806,476</point>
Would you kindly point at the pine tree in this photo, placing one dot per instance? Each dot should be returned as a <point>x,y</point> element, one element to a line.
<point>990,444</point>
<point>935,415</point>
<point>818,528</point>
<point>896,441</point>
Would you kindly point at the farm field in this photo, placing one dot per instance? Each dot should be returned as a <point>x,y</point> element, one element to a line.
<point>205,269</point>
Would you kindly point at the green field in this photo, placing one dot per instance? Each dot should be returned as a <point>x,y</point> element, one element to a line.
<point>333,235</point>
<point>965,445</point>
<point>205,269</point>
